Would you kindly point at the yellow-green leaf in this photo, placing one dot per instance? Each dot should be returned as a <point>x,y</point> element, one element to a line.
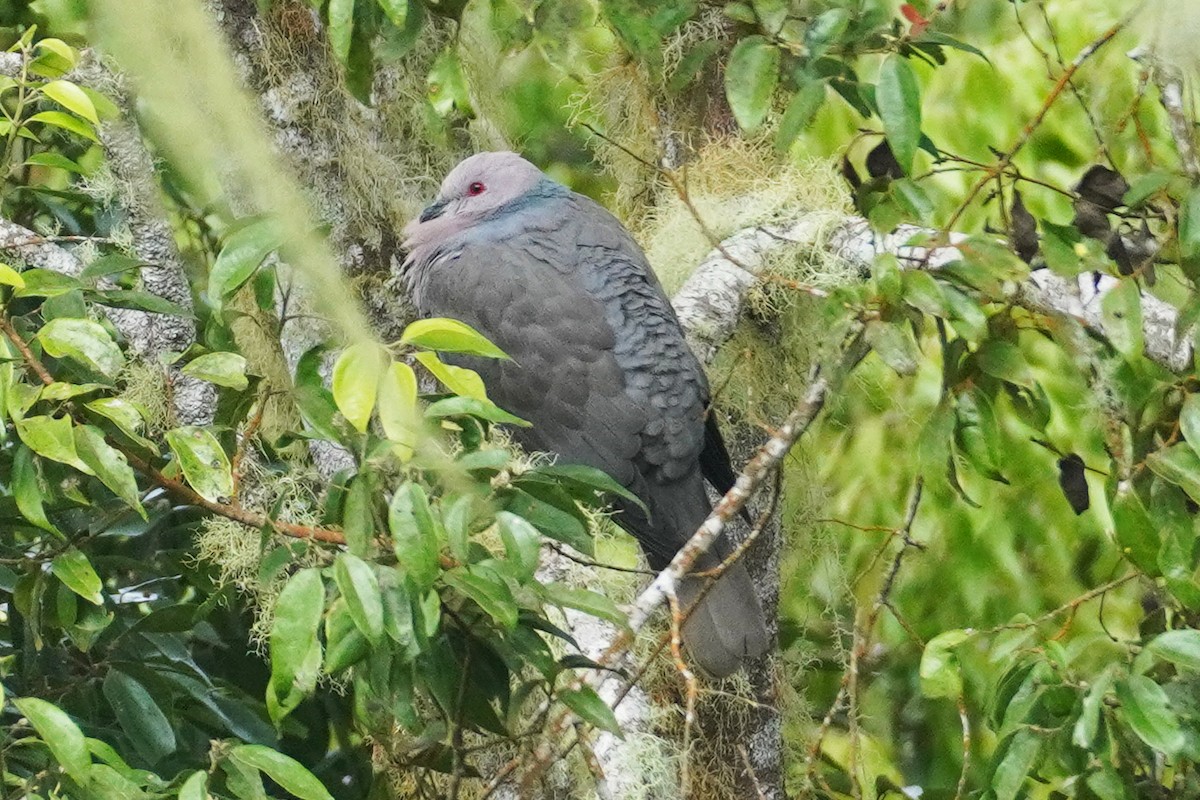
<point>72,98</point>
<point>356,381</point>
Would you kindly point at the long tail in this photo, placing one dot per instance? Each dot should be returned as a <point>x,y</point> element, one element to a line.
<point>727,625</point>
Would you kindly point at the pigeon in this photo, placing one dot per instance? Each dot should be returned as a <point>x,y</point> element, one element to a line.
<point>599,366</point>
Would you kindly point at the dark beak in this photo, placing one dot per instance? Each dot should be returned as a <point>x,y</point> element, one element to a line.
<point>433,212</point>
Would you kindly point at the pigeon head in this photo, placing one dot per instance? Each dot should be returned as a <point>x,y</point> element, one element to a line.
<point>473,191</point>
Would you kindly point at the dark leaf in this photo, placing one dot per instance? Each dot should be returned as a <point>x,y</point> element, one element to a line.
<point>1072,477</point>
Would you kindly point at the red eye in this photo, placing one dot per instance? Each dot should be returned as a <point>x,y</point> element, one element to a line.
<point>475,188</point>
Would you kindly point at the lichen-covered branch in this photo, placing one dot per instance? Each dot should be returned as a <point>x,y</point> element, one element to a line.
<point>709,303</point>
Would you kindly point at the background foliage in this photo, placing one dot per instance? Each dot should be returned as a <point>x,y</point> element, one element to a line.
<point>990,577</point>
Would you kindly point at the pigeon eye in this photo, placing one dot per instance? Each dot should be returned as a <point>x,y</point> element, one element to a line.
<point>475,188</point>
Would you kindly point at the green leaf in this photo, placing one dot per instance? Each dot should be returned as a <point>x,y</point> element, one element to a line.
<point>750,79</point>
<point>112,264</point>
<point>1181,647</point>
<point>84,341</point>
<point>295,648</point>
<point>1178,464</point>
<point>358,521</point>
<point>922,291</point>
<point>121,413</point>
<point>61,735</point>
<point>195,787</point>
<point>60,119</point>
<point>1147,710</point>
<point>356,381</point>
<point>522,543</point>
<point>65,391</point>
<point>895,344</point>
<point>939,670</point>
<point>27,492</point>
<point>1135,532</point>
<point>449,336</point>
<point>396,11</point>
<point>223,369</point>
<point>488,590</point>
<point>899,99</point>
<point>803,107</point>
<point>345,645</point>
<point>72,98</point>
<point>552,521</point>
<point>1004,360</point>
<point>144,723</point>
<point>591,708</point>
<point>473,407</point>
<point>139,301</point>
<point>1121,308</point>
<point>242,252</point>
<point>1189,226</point>
<point>1189,420</point>
<point>357,582</point>
<point>413,534</point>
<point>44,283</point>
<point>586,478</point>
<point>203,461</point>
<point>587,601</point>
<point>1020,753</point>
<point>54,57</point>
<point>284,770</point>
<point>1088,724</point>
<point>341,28</point>
<point>55,161</point>
<point>109,465</point>
<point>75,571</point>
<point>53,439</point>
<point>456,520</point>
<point>461,381</point>
<point>397,407</point>
<point>10,277</point>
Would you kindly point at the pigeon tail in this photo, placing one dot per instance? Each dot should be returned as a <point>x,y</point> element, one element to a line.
<point>726,626</point>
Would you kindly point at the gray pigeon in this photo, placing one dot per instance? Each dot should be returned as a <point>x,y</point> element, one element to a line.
<point>599,364</point>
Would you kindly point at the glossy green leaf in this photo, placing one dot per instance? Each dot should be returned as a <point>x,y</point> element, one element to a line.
<point>284,770</point>
<point>1180,465</point>
<point>397,408</point>
<point>27,492</point>
<point>223,369</point>
<point>895,344</point>
<point>1004,360</point>
<point>1180,647</point>
<point>522,543</point>
<point>240,255</point>
<point>899,99</point>
<point>1189,226</point>
<point>345,645</point>
<point>355,381</point>
<point>356,581</point>
<point>1020,754</point>
<point>45,283</point>
<point>203,461</point>
<point>459,380</point>
<point>84,341</point>
<point>10,277</point>
<point>803,106</point>
<point>396,11</point>
<point>591,708</point>
<point>72,98</point>
<point>1189,420</point>
<point>140,718</point>
<point>52,438</point>
<point>358,518</point>
<point>449,336</point>
<point>77,574</point>
<point>60,733</point>
<point>585,600</point>
<point>195,787</point>
<point>474,407</point>
<point>109,465</point>
<point>586,478</point>
<point>413,534</point>
<point>295,648</point>
<point>341,28</point>
<point>940,673</point>
<point>1121,308</point>
<point>750,79</point>
<point>1088,724</point>
<point>488,590</point>
<point>1147,710</point>
<point>61,119</point>
<point>139,301</point>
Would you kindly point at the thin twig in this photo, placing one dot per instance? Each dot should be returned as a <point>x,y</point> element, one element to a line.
<point>689,680</point>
